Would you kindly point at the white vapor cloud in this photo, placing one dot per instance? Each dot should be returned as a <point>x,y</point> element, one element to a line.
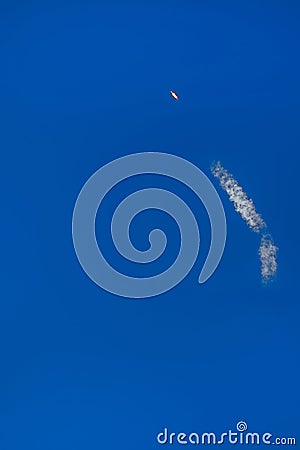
<point>242,204</point>
<point>267,253</point>
<point>246,208</point>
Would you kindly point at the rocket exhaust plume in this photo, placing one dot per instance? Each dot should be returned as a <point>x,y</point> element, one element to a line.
<point>267,254</point>
<point>242,204</point>
<point>246,208</point>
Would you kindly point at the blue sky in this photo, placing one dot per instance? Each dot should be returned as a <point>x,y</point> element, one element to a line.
<point>82,83</point>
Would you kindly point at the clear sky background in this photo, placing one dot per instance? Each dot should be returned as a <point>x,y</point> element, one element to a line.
<point>82,83</point>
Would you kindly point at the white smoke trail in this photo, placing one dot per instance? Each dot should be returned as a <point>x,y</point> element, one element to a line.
<point>267,253</point>
<point>246,208</point>
<point>242,204</point>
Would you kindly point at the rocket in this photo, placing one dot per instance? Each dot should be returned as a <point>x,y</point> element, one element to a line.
<point>174,95</point>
